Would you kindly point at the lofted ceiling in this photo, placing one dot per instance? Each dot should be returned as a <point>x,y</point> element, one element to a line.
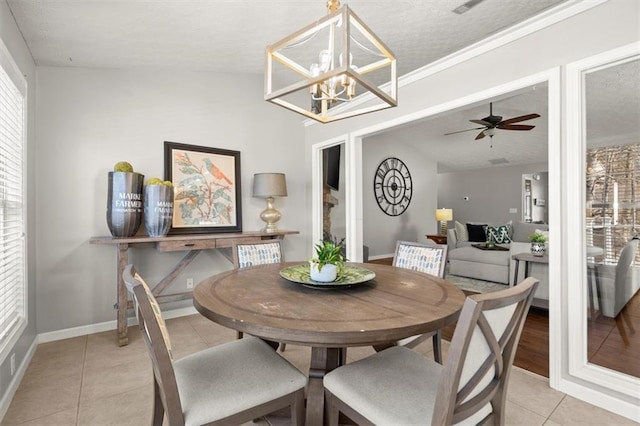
<point>231,35</point>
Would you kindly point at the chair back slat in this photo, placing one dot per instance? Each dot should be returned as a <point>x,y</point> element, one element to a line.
<point>481,354</point>
<point>156,339</point>
<point>259,253</point>
<point>427,258</point>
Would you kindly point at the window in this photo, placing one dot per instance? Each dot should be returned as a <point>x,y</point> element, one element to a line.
<point>613,198</point>
<point>12,203</point>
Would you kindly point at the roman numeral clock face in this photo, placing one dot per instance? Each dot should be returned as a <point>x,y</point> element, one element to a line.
<point>392,186</point>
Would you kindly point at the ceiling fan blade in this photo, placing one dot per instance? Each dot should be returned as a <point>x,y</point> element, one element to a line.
<point>480,135</point>
<point>521,118</point>
<point>515,126</point>
<point>482,122</point>
<point>460,131</point>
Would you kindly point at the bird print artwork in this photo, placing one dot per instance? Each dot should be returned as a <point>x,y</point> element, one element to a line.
<point>204,188</point>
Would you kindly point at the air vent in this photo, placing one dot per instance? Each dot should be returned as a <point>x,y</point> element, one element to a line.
<point>499,161</point>
<point>466,6</point>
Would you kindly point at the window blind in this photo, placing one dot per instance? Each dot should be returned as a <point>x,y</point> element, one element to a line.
<point>12,214</point>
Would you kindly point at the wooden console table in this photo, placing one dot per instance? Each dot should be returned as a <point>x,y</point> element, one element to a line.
<point>192,244</point>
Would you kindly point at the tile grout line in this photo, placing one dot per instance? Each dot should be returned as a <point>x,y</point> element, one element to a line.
<point>556,407</point>
<point>84,363</point>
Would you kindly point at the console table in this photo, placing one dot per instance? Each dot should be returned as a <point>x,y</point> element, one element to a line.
<point>192,244</point>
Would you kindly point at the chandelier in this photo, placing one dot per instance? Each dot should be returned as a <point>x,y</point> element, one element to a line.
<point>321,69</point>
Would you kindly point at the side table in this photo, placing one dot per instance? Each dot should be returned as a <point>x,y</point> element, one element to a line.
<point>439,239</point>
<point>526,258</point>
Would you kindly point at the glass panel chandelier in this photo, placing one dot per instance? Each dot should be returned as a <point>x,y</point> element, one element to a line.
<point>319,70</point>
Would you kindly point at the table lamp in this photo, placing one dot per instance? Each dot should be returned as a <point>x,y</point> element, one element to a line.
<point>443,216</point>
<point>269,186</point>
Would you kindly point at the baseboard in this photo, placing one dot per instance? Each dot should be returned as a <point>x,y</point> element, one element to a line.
<point>68,333</point>
<point>17,378</point>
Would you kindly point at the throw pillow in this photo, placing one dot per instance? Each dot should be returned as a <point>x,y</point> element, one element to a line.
<point>476,233</point>
<point>461,232</point>
<point>499,234</point>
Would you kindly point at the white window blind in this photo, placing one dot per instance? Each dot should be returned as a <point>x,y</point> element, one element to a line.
<point>12,205</point>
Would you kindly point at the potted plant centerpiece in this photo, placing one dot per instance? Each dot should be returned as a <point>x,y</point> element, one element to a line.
<point>327,263</point>
<point>538,246</point>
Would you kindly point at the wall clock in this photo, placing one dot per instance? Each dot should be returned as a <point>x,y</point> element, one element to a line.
<point>392,186</point>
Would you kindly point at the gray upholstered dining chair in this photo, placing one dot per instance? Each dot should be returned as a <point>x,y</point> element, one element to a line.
<point>258,253</point>
<point>401,386</point>
<point>231,383</point>
<point>430,259</point>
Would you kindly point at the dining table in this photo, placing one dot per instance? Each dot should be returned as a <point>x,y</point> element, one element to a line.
<point>369,304</point>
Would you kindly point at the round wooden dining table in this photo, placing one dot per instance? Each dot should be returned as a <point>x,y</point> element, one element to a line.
<point>397,303</point>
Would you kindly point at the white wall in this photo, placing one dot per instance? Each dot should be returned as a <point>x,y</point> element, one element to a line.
<point>90,119</point>
<point>492,192</point>
<point>381,231</point>
<point>13,41</point>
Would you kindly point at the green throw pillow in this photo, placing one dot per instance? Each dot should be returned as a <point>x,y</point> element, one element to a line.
<point>499,234</point>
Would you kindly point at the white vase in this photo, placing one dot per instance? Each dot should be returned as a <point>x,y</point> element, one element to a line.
<point>538,249</point>
<point>327,274</point>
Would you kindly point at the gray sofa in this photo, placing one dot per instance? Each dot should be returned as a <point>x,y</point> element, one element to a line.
<point>497,266</point>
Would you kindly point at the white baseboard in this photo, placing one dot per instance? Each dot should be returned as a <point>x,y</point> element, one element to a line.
<point>381,256</point>
<point>83,330</point>
<point>17,378</point>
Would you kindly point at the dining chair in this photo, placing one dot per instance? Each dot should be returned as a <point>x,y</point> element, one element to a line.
<point>257,253</point>
<point>430,259</point>
<point>231,383</point>
<point>401,386</point>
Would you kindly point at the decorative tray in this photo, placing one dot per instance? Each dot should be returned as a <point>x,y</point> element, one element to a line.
<point>349,276</point>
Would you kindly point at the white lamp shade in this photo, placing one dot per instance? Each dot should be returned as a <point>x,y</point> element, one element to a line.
<point>444,215</point>
<point>269,185</point>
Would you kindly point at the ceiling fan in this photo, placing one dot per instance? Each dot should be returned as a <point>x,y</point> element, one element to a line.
<point>492,122</point>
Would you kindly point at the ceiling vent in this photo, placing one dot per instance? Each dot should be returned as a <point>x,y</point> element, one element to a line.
<point>466,6</point>
<point>496,161</point>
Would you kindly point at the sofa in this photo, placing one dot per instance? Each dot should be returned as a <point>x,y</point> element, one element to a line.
<point>493,265</point>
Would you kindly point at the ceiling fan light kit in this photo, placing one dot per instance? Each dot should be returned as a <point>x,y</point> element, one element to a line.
<point>492,122</point>
<point>329,63</point>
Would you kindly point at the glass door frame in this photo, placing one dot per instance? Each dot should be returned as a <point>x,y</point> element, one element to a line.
<point>574,333</point>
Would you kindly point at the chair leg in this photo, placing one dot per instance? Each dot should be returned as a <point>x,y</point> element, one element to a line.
<point>158,408</point>
<point>331,410</point>
<point>437,346</point>
<point>298,409</point>
<point>239,334</point>
<point>283,346</point>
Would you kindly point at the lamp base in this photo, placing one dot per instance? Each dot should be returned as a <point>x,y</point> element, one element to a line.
<point>443,227</point>
<point>270,216</point>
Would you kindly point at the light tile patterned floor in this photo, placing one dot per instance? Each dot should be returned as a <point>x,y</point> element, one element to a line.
<point>89,380</point>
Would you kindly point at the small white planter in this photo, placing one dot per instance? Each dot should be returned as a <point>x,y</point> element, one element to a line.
<point>327,274</point>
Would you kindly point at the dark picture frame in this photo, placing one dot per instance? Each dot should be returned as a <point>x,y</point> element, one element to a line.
<point>207,189</point>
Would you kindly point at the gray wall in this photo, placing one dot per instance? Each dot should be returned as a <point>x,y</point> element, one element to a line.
<point>492,192</point>
<point>89,119</point>
<point>14,42</point>
<point>380,231</point>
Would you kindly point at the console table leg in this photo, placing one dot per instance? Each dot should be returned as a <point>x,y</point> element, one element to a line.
<point>123,259</point>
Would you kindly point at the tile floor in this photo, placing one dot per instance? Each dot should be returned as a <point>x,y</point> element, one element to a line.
<point>89,380</point>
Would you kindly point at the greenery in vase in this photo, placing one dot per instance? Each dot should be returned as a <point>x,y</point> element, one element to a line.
<point>537,238</point>
<point>328,253</point>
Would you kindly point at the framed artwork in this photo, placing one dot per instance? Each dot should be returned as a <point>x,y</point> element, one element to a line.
<point>206,181</point>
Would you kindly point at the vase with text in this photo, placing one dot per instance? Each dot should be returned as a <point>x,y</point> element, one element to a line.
<point>158,209</point>
<point>124,203</point>
<point>538,249</point>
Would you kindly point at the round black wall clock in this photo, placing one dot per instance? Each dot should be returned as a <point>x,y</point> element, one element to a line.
<point>392,186</point>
